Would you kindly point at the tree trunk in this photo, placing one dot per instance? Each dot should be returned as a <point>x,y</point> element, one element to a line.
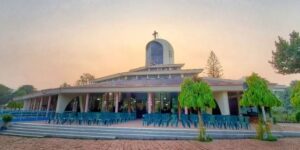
<point>179,111</point>
<point>264,114</point>
<point>201,126</point>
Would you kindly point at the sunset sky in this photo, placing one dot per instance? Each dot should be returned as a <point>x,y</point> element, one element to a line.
<point>48,42</point>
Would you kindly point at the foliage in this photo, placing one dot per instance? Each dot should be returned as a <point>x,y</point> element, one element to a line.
<point>85,78</point>
<point>214,68</point>
<point>295,96</point>
<point>258,93</point>
<point>15,105</point>
<point>297,116</point>
<point>24,90</point>
<point>197,94</point>
<point>286,57</point>
<point>7,118</point>
<point>5,94</point>
<point>65,84</point>
<point>274,120</point>
<point>4,90</point>
<point>286,113</point>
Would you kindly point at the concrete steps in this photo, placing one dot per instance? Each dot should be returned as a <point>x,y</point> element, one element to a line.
<point>102,132</point>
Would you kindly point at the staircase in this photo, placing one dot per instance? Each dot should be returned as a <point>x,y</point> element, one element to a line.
<point>101,132</point>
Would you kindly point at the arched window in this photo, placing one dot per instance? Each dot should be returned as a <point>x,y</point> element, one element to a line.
<point>156,52</point>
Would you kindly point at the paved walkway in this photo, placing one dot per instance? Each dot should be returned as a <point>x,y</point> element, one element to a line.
<point>21,143</point>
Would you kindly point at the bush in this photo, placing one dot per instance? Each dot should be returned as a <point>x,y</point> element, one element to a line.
<point>274,120</point>
<point>270,138</point>
<point>297,116</point>
<point>7,118</point>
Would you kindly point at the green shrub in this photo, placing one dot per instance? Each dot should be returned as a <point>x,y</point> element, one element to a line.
<point>291,118</point>
<point>270,138</point>
<point>274,120</point>
<point>297,116</point>
<point>7,118</point>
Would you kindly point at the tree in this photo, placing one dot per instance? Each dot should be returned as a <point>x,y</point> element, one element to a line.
<point>24,90</point>
<point>85,78</point>
<point>286,57</point>
<point>4,90</point>
<point>258,94</point>
<point>5,94</point>
<point>214,68</point>
<point>197,94</point>
<point>295,96</point>
<point>65,84</point>
<point>15,105</point>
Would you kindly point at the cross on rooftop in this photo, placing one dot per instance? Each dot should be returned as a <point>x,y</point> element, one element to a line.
<point>155,34</point>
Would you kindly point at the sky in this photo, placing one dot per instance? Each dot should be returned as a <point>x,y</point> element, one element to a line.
<point>46,43</point>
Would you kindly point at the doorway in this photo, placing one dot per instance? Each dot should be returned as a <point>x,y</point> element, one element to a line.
<point>234,106</point>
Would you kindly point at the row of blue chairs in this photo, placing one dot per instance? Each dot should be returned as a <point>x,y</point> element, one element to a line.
<point>212,121</point>
<point>222,121</point>
<point>90,118</point>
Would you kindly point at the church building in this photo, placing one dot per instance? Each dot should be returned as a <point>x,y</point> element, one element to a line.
<point>151,88</point>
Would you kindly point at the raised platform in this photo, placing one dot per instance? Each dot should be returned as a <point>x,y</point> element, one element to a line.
<point>35,129</point>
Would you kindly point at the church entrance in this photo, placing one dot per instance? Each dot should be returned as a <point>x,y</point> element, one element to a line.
<point>233,106</point>
<point>140,100</point>
<point>134,103</point>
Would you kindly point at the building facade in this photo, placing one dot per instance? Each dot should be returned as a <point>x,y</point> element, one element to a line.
<point>148,89</point>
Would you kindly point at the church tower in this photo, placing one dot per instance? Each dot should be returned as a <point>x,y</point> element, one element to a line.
<point>159,52</point>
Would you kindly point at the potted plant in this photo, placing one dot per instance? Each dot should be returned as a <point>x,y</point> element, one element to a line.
<point>7,118</point>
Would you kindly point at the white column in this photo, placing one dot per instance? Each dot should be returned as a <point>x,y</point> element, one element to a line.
<point>26,104</point>
<point>222,101</point>
<point>87,102</point>
<point>81,103</point>
<point>117,99</point>
<point>31,104</point>
<point>49,103</point>
<point>34,103</point>
<point>186,111</point>
<point>149,101</point>
<point>41,103</point>
<point>62,102</point>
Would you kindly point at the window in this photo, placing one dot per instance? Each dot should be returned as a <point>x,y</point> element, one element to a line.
<point>156,52</point>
